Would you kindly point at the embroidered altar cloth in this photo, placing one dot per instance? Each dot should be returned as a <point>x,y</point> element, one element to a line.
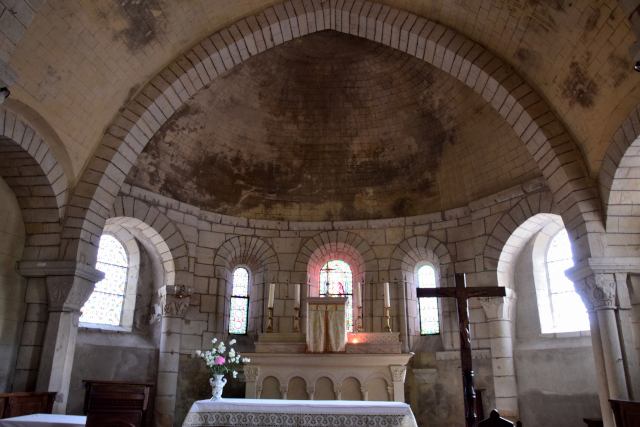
<point>298,413</point>
<point>327,325</point>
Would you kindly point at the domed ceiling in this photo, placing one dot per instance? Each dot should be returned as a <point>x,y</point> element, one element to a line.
<point>333,127</point>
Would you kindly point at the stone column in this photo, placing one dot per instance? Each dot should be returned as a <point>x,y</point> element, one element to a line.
<point>283,392</point>
<point>627,341</point>
<point>251,376</point>
<point>173,310</point>
<point>398,374</point>
<point>598,281</point>
<point>365,393</point>
<point>68,285</point>
<point>498,311</point>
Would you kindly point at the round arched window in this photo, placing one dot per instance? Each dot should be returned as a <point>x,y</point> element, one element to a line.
<point>104,306</point>
<point>239,312</point>
<point>569,312</point>
<point>336,280</point>
<point>428,307</point>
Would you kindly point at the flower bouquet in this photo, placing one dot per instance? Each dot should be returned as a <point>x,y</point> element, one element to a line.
<point>220,364</point>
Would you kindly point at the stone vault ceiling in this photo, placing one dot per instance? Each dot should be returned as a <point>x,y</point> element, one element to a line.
<point>80,61</point>
<point>333,127</point>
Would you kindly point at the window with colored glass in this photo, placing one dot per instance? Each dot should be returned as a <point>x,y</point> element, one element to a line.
<point>104,306</point>
<point>336,280</point>
<point>428,307</point>
<point>239,313</point>
<point>569,312</point>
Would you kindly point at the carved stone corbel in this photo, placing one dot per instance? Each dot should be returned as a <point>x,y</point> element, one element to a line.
<point>597,291</point>
<point>398,373</point>
<point>251,373</point>
<point>499,308</point>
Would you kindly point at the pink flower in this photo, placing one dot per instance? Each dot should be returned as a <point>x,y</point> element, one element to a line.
<point>219,360</point>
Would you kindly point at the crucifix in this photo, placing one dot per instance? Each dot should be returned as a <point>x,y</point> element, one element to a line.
<point>461,293</point>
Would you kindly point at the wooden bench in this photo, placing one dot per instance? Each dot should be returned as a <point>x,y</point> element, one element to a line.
<point>19,404</point>
<point>116,403</point>
<point>626,412</point>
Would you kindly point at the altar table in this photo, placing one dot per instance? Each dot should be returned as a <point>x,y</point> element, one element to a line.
<point>298,413</point>
<point>44,420</point>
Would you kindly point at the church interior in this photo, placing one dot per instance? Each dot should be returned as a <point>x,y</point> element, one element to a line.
<point>179,173</point>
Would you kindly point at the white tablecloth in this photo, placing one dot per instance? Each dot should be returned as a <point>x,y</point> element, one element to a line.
<point>44,420</point>
<point>298,413</point>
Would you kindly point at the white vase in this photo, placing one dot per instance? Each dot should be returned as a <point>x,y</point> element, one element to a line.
<point>217,384</point>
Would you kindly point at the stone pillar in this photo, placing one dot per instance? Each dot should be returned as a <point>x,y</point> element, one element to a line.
<point>311,391</point>
<point>498,311</point>
<point>173,310</point>
<point>365,393</point>
<point>68,285</point>
<point>398,374</point>
<point>251,376</point>
<point>283,392</point>
<point>601,283</point>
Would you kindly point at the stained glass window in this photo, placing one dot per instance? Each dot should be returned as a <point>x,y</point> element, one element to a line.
<point>239,302</point>
<point>336,280</point>
<point>429,320</point>
<point>104,306</point>
<point>569,312</point>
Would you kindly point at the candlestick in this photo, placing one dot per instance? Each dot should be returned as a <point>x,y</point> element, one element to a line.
<point>296,327</point>
<point>296,303</point>
<point>360,319</point>
<point>358,295</point>
<point>272,291</point>
<point>387,297</point>
<point>387,328</point>
<point>270,325</point>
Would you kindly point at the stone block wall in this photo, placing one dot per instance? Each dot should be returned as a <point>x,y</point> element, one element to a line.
<point>12,285</point>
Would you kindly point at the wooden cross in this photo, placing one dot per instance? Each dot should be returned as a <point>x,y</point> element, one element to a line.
<point>461,293</point>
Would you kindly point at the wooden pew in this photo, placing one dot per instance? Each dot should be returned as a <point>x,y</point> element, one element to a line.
<point>116,403</point>
<point>495,420</point>
<point>18,404</point>
<point>626,412</point>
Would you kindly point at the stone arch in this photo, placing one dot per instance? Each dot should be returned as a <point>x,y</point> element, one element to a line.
<point>323,247</point>
<point>382,375</point>
<point>30,167</point>
<point>617,179</point>
<point>262,260</point>
<point>316,377</point>
<point>555,152</point>
<point>297,374</point>
<point>158,235</point>
<point>404,258</point>
<point>265,375</point>
<point>515,226</point>
<point>350,375</point>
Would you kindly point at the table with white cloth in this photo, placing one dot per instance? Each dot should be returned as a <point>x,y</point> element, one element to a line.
<point>298,413</point>
<point>45,420</point>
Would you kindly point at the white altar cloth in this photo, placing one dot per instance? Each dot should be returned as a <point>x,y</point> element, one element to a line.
<point>45,420</point>
<point>298,413</point>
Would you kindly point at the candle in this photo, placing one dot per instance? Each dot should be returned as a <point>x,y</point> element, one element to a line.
<point>296,304</point>
<point>272,291</point>
<point>358,295</point>
<point>387,298</point>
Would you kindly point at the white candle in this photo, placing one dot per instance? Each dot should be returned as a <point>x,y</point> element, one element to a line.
<point>358,295</point>
<point>387,298</point>
<point>296,304</point>
<point>272,291</point>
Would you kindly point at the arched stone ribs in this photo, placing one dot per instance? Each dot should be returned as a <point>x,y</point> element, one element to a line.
<point>30,167</point>
<point>316,377</point>
<point>252,251</point>
<point>556,154</point>
<point>617,179</point>
<point>155,226</point>
<point>416,249</point>
<point>514,227</point>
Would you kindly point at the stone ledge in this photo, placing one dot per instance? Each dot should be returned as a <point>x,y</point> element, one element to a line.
<point>455,354</point>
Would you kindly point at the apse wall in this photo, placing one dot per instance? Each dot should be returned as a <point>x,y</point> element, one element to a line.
<point>467,240</point>
<point>12,285</point>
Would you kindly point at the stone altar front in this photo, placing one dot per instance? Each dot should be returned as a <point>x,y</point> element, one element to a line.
<point>372,359</point>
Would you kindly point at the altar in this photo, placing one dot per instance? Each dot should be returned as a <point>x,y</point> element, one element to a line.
<point>297,413</point>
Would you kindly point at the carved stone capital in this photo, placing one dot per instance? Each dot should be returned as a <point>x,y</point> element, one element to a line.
<point>398,373</point>
<point>598,291</point>
<point>172,306</point>
<point>499,308</point>
<point>251,373</point>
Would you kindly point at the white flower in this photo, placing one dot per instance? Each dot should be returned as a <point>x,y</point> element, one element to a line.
<point>246,360</point>
<point>232,353</point>
<point>198,352</point>
<point>235,374</point>
<point>232,342</point>
<point>215,340</point>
